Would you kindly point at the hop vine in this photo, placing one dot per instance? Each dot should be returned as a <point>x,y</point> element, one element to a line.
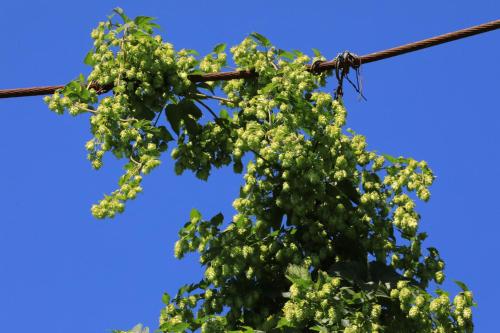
<point>326,234</point>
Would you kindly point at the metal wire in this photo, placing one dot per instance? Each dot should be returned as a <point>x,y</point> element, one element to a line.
<point>322,66</point>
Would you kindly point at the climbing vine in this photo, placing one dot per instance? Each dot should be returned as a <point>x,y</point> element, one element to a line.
<point>325,236</point>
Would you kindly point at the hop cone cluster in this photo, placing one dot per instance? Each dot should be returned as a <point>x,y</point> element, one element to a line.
<point>325,236</point>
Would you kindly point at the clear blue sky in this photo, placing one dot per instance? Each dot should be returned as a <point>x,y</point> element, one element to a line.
<point>63,271</point>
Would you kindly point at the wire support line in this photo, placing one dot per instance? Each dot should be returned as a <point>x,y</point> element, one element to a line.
<point>318,67</point>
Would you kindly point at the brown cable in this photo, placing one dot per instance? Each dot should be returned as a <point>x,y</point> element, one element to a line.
<point>322,66</point>
<point>429,42</point>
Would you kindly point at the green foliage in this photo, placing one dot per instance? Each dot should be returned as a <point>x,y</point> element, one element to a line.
<point>325,236</point>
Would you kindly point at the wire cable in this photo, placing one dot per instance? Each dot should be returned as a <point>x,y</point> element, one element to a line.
<point>321,66</point>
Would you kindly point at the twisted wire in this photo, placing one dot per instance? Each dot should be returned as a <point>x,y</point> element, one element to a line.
<point>316,67</point>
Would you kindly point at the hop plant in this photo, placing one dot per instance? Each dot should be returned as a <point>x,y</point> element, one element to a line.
<point>326,233</point>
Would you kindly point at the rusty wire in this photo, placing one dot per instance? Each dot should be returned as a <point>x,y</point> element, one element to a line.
<point>318,67</point>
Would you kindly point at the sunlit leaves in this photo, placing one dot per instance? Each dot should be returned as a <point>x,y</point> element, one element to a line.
<point>325,235</point>
<point>261,39</point>
<point>219,48</point>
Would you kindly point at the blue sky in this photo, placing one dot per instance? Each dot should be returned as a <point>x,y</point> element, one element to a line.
<point>63,271</point>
